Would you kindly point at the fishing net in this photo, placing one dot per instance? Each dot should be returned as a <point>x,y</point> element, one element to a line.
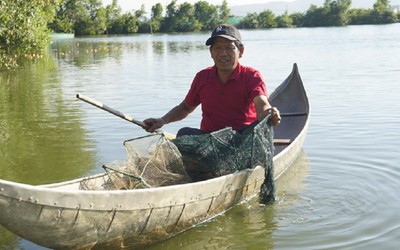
<point>155,161</point>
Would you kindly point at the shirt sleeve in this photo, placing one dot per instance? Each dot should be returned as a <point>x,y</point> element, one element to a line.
<point>192,97</point>
<point>256,85</point>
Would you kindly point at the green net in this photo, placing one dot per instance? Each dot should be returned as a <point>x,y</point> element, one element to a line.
<point>227,151</point>
<point>155,161</point>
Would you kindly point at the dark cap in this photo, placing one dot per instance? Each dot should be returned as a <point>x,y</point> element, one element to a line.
<point>226,31</point>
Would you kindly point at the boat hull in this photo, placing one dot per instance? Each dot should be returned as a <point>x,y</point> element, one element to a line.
<point>134,217</point>
<point>65,216</point>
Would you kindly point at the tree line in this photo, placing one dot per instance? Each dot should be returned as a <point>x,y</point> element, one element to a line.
<point>88,17</point>
<point>25,25</point>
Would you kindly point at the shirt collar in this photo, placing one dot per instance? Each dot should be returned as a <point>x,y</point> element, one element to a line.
<point>235,75</point>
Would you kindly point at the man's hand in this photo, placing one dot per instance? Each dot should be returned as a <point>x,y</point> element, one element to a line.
<point>153,124</point>
<point>275,116</point>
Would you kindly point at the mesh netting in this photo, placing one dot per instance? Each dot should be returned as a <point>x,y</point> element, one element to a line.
<point>227,151</point>
<point>155,161</point>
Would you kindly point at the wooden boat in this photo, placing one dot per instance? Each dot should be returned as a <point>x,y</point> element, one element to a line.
<point>63,216</point>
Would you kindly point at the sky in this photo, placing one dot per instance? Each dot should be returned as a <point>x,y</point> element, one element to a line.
<point>128,5</point>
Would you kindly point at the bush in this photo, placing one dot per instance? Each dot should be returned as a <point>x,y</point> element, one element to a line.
<point>23,30</point>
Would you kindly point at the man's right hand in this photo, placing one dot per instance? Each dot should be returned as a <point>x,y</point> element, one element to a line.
<point>153,124</point>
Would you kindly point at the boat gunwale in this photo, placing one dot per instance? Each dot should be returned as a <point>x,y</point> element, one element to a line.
<point>122,199</point>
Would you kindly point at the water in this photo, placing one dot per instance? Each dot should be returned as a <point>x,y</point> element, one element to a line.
<point>342,192</point>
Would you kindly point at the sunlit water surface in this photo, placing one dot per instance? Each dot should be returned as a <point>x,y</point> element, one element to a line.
<point>342,193</point>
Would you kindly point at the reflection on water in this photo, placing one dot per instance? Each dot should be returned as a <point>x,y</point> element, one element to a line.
<point>42,137</point>
<point>291,183</point>
<point>83,52</point>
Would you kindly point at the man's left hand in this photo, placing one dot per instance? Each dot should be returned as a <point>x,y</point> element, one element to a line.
<point>275,116</point>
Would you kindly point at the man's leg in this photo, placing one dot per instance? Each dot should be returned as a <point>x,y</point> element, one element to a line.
<point>189,131</point>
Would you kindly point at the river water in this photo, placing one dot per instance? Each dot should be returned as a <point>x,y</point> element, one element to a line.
<point>342,193</point>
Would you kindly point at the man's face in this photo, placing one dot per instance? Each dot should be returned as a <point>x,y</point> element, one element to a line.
<point>225,54</point>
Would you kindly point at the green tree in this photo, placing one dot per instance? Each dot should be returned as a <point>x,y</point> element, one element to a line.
<point>144,25</point>
<point>266,19</point>
<point>186,19</point>
<point>381,5</point>
<point>284,21</point>
<point>115,23</point>
<point>297,19</point>
<point>156,12</point>
<point>333,13</point>
<point>315,16</point>
<point>382,13</point>
<point>360,16</point>
<point>118,23</point>
<point>250,21</point>
<point>23,30</point>
<point>224,12</point>
<point>156,17</point>
<point>67,15</point>
<point>131,23</point>
<point>206,14</point>
<point>93,21</point>
<point>336,12</point>
<point>140,12</point>
<point>83,17</point>
<point>170,20</point>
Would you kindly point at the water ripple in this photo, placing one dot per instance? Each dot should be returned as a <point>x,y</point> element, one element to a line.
<point>350,205</point>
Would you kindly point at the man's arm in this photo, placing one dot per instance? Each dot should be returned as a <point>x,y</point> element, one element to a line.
<point>263,108</point>
<point>177,113</point>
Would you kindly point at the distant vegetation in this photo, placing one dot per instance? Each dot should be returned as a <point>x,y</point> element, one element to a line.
<point>88,17</point>
<point>25,25</point>
<point>332,13</point>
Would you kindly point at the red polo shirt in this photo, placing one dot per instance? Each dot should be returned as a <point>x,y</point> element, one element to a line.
<point>226,105</point>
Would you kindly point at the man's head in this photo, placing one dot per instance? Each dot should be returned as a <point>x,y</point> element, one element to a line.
<point>226,47</point>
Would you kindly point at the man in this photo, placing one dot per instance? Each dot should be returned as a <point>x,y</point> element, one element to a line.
<point>231,95</point>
